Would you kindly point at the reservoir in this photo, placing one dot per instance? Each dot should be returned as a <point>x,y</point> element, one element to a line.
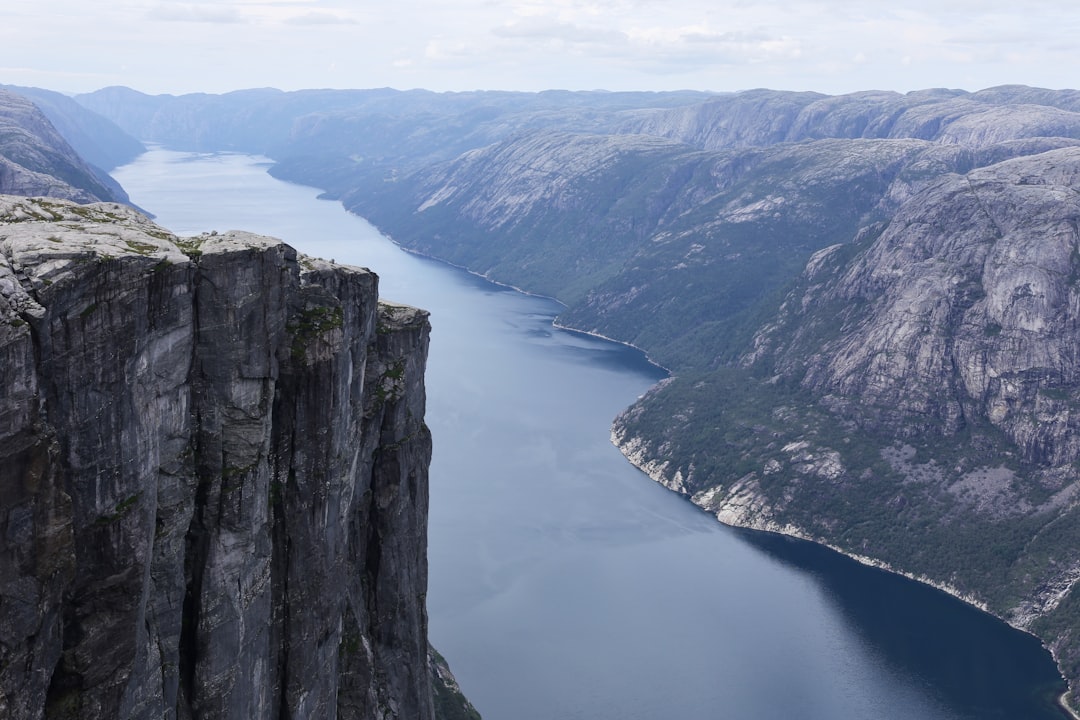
<point>564,584</point>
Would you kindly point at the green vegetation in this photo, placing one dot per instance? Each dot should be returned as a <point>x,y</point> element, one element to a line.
<point>232,477</point>
<point>450,703</point>
<point>728,424</point>
<point>141,248</point>
<point>190,246</point>
<point>312,323</point>
<point>390,385</point>
<point>121,509</point>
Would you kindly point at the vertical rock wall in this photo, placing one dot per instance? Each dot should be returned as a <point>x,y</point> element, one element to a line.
<point>213,477</point>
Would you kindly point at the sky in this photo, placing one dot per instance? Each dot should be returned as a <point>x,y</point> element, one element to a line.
<point>830,46</point>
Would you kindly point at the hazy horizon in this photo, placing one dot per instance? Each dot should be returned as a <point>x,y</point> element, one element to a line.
<point>829,46</point>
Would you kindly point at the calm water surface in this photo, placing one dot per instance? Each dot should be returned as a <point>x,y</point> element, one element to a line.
<point>565,584</point>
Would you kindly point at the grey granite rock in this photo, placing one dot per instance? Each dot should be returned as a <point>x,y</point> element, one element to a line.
<point>213,477</point>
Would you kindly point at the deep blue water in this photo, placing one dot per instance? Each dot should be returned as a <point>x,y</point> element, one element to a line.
<point>566,584</point>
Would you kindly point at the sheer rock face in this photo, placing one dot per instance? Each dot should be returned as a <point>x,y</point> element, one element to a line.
<point>213,477</point>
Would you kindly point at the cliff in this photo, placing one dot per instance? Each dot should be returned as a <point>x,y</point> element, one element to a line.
<point>213,477</point>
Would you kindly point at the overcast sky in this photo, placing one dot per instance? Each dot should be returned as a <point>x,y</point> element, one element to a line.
<point>832,46</point>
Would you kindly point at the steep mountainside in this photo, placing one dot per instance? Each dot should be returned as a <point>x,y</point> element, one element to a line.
<point>913,401</point>
<point>97,140</point>
<point>676,250</point>
<point>36,160</point>
<point>213,477</point>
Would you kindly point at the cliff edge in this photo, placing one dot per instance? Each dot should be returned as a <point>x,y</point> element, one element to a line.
<point>213,477</point>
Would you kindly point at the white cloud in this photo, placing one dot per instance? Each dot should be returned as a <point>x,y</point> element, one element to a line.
<point>539,28</point>
<point>320,18</point>
<point>202,13</point>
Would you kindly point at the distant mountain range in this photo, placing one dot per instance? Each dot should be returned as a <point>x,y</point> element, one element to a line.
<point>868,302</point>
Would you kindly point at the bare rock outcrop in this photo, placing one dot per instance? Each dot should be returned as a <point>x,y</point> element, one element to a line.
<point>213,477</point>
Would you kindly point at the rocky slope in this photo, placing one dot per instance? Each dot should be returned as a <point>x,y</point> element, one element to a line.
<point>97,140</point>
<point>676,250</point>
<point>914,401</point>
<point>36,160</point>
<point>213,477</point>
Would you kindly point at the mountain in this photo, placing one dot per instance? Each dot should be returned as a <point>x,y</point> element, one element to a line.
<point>213,478</point>
<point>97,140</point>
<point>865,300</point>
<point>36,160</point>
<point>913,401</point>
<point>328,138</point>
<point>953,117</point>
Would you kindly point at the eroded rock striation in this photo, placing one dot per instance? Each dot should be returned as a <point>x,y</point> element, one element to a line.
<point>213,477</point>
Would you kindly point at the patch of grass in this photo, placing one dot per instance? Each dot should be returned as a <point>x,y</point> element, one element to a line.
<point>140,247</point>
<point>192,247</point>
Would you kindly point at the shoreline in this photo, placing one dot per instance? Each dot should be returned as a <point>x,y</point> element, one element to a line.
<point>486,278</point>
<point>794,532</point>
<point>1063,703</point>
